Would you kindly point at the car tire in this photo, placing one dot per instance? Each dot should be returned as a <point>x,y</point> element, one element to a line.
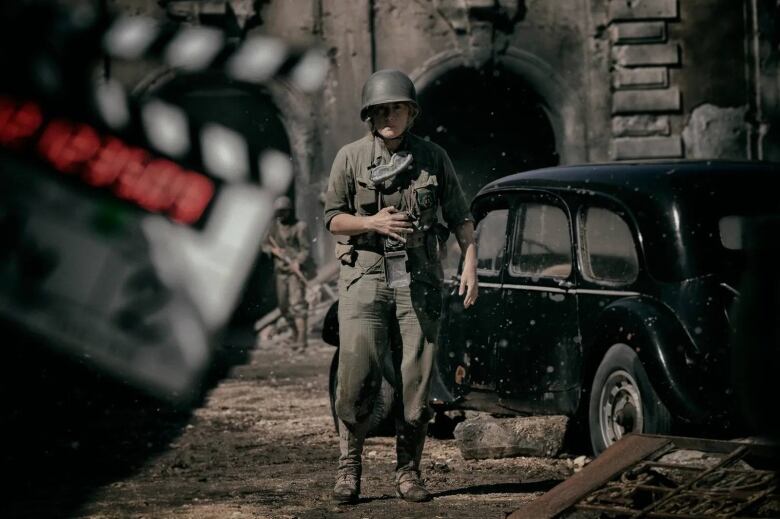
<point>622,400</point>
<point>381,420</point>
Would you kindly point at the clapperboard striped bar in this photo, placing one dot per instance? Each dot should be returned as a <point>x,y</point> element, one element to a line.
<point>258,60</point>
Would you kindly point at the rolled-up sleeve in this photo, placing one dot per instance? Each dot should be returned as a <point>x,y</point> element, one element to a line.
<point>338,199</point>
<point>454,207</point>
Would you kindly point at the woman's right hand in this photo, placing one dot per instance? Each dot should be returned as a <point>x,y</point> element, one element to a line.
<point>389,221</point>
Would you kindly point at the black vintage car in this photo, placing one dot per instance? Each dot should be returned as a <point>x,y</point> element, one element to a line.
<point>607,292</point>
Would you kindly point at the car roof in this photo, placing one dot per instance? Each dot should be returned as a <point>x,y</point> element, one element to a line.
<point>648,177</point>
<point>676,204</point>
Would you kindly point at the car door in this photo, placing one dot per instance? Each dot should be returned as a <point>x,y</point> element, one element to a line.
<point>538,350</point>
<point>471,334</point>
<point>611,266</point>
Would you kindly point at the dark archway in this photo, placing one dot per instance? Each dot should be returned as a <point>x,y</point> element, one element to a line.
<point>246,109</point>
<point>490,122</point>
<point>251,112</point>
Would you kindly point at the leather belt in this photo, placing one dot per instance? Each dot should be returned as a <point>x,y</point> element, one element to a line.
<point>415,239</point>
<point>367,241</point>
<point>373,242</point>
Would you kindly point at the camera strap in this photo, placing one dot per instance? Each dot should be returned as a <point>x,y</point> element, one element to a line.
<point>396,258</point>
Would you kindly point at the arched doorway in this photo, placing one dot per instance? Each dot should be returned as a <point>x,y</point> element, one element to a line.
<point>490,121</point>
<point>251,112</point>
<point>245,109</point>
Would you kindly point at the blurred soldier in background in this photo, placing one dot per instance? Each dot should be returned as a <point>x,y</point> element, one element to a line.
<point>288,243</point>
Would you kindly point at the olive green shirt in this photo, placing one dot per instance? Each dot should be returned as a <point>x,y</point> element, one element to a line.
<point>429,187</point>
<point>293,239</point>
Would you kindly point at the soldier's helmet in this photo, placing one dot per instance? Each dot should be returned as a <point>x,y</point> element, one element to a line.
<point>282,203</point>
<point>387,86</point>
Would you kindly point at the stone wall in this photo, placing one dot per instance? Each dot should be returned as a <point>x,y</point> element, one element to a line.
<point>616,79</point>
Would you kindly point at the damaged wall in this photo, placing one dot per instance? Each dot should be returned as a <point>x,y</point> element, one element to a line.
<point>716,133</point>
<point>591,80</point>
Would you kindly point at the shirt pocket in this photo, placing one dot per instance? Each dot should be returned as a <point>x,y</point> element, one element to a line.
<point>365,200</point>
<point>425,193</point>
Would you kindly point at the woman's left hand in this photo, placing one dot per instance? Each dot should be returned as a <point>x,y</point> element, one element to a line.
<point>469,285</point>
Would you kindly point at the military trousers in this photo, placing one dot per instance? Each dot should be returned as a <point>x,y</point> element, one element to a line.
<point>290,296</point>
<point>375,322</point>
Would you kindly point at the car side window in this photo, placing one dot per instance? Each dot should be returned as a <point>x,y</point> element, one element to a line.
<point>609,252</point>
<point>542,243</point>
<point>491,241</point>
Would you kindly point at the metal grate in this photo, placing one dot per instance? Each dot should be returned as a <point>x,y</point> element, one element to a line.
<point>647,490</point>
<point>647,476</point>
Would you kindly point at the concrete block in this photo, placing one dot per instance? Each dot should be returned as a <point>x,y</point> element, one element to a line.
<point>646,55</point>
<point>647,148</point>
<point>640,125</point>
<point>642,9</point>
<point>638,32</point>
<point>715,132</point>
<point>487,437</point>
<point>638,101</point>
<point>645,77</point>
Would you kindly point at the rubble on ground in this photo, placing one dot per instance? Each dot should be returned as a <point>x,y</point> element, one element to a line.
<point>483,436</point>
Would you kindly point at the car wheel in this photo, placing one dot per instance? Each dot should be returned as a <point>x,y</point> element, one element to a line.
<point>381,421</point>
<point>622,400</point>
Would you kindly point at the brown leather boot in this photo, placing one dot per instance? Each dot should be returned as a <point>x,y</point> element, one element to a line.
<point>351,438</point>
<point>347,488</point>
<point>409,487</point>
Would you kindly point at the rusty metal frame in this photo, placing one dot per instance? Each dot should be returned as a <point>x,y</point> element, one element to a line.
<point>628,481</point>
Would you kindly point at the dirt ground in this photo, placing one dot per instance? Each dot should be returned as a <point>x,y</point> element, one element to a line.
<point>263,445</point>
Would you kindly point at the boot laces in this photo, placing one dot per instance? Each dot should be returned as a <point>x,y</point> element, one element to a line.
<point>410,477</point>
<point>346,478</point>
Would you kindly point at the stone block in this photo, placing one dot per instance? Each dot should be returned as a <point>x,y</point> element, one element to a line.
<point>715,132</point>
<point>645,77</point>
<point>642,9</point>
<point>487,437</point>
<point>647,148</point>
<point>641,125</point>
<point>638,101</point>
<point>638,32</point>
<point>646,55</point>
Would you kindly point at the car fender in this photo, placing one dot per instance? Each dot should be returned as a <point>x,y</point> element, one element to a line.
<point>330,325</point>
<point>662,346</point>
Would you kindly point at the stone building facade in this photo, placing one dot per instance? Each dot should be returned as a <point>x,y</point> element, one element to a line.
<point>506,85</point>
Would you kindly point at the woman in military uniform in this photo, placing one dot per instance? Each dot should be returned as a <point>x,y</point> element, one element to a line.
<point>385,192</point>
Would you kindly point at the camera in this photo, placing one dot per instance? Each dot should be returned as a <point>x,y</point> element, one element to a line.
<point>391,244</point>
<point>396,269</point>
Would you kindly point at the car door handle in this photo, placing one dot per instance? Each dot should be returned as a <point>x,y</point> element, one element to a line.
<point>565,284</point>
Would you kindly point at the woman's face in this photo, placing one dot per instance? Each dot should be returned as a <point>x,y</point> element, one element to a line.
<point>391,119</point>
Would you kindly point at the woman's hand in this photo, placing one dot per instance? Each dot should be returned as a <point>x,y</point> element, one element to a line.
<point>391,222</point>
<point>468,283</point>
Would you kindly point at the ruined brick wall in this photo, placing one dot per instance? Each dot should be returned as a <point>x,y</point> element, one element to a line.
<point>615,79</point>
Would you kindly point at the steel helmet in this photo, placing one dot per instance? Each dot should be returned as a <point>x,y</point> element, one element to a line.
<point>387,86</point>
<point>282,203</point>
